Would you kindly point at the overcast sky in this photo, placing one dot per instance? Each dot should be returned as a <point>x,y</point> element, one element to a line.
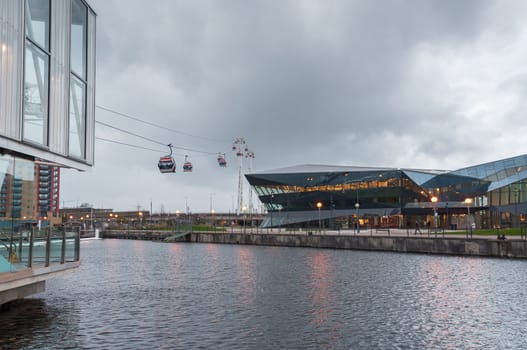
<point>417,84</point>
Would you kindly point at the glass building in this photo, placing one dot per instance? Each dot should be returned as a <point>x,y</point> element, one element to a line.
<point>487,195</point>
<point>47,121</point>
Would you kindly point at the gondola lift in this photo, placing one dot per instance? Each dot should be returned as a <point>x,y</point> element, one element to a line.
<point>167,164</point>
<point>187,166</point>
<point>221,160</point>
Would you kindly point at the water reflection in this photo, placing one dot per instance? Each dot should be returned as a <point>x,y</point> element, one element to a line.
<point>457,302</point>
<point>33,321</point>
<point>320,280</point>
<point>247,274</point>
<point>323,298</point>
<point>148,295</point>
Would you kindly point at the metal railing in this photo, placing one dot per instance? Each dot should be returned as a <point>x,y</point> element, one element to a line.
<point>44,247</point>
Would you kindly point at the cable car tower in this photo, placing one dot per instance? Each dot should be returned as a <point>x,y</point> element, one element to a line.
<point>239,146</point>
<point>250,155</point>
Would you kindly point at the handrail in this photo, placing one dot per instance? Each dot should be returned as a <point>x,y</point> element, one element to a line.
<point>41,246</point>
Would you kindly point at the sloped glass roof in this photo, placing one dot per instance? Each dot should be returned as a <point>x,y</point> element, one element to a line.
<point>489,176</point>
<point>419,177</point>
<point>497,170</point>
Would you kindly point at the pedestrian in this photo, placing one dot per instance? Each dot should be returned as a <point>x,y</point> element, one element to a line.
<point>417,228</point>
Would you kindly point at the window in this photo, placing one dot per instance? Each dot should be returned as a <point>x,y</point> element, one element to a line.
<point>37,22</point>
<point>79,14</point>
<point>77,119</point>
<point>36,72</point>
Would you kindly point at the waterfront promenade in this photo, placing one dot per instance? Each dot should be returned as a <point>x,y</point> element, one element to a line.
<point>393,240</point>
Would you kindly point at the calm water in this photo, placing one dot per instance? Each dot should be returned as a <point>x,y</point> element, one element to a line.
<point>144,295</point>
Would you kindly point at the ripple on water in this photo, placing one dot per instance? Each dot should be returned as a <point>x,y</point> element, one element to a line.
<point>135,294</point>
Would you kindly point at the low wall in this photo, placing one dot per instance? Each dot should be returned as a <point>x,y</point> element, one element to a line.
<point>449,246</point>
<point>490,247</point>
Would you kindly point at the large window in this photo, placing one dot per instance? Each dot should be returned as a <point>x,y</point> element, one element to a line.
<point>79,14</point>
<point>77,120</point>
<point>77,117</point>
<point>36,73</point>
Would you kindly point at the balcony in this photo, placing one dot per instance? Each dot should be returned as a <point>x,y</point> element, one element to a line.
<point>28,258</point>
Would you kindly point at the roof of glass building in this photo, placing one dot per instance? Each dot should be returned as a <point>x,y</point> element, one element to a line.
<point>489,176</point>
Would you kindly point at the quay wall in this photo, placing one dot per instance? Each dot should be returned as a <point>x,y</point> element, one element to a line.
<point>489,247</point>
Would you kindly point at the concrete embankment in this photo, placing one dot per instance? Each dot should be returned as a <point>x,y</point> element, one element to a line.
<point>489,247</point>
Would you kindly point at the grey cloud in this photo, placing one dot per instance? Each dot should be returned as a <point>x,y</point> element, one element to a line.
<point>303,81</point>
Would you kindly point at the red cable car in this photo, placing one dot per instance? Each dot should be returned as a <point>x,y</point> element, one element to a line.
<point>221,160</point>
<point>187,166</point>
<point>167,164</point>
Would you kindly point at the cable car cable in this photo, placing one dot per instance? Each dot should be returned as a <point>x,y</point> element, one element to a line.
<point>157,125</point>
<point>152,140</point>
<point>130,145</point>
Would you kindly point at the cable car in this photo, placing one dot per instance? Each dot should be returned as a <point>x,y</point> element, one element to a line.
<point>221,160</point>
<point>167,164</point>
<point>187,166</point>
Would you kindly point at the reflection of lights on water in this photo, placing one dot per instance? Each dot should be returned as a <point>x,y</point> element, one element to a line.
<point>247,275</point>
<point>321,281</point>
<point>448,287</point>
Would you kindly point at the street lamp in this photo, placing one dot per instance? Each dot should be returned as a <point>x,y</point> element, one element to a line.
<point>468,202</point>
<point>319,206</point>
<point>357,205</point>
<point>434,200</point>
<point>244,216</point>
<point>272,198</point>
<point>177,220</point>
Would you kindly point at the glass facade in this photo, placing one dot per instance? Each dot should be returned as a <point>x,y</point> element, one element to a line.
<point>79,14</point>
<point>37,22</point>
<point>77,119</point>
<point>36,72</point>
<point>77,139</point>
<point>497,191</point>
<point>18,188</point>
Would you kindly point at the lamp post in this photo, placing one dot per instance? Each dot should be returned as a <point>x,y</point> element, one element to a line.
<point>271,212</point>
<point>177,220</point>
<point>516,217</point>
<point>434,200</point>
<point>468,202</point>
<point>244,217</point>
<point>319,206</point>
<point>357,205</point>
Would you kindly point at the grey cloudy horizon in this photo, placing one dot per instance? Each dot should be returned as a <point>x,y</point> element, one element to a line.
<point>409,84</point>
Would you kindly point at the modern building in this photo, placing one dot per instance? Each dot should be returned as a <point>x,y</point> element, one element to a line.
<point>47,119</point>
<point>488,195</point>
<point>48,185</point>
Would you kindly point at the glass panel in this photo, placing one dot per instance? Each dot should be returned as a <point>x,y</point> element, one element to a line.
<point>36,95</point>
<point>78,38</point>
<point>37,22</point>
<point>77,118</point>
